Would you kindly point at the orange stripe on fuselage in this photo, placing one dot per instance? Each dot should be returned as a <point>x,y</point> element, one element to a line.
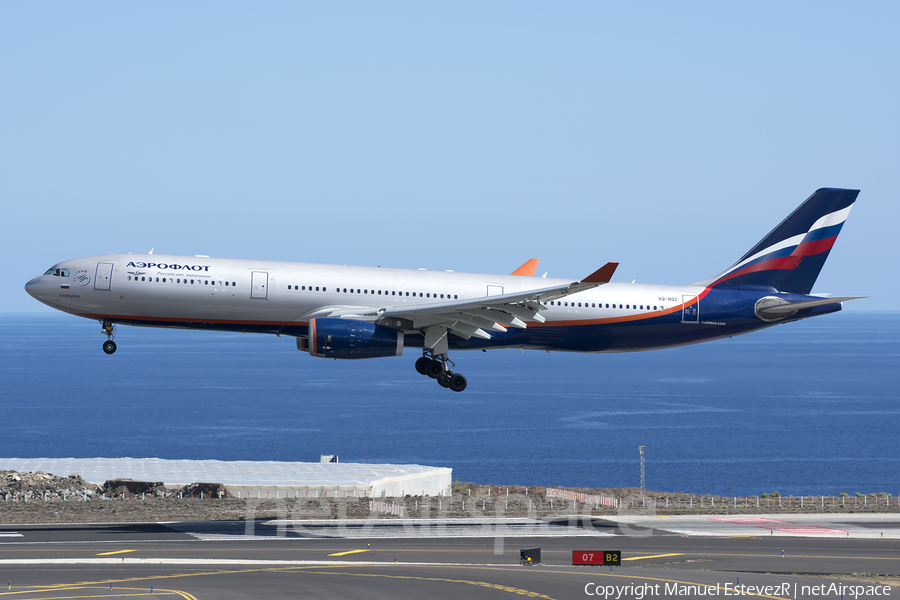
<point>638,317</point>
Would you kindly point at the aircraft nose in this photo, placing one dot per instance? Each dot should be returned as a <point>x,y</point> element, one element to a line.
<point>33,287</point>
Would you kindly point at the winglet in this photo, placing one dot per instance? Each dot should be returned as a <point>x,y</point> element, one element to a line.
<point>528,268</point>
<point>603,274</point>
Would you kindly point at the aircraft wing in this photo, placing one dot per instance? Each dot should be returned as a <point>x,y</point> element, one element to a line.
<point>472,316</point>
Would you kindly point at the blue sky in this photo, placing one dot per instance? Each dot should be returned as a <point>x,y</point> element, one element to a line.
<point>670,137</point>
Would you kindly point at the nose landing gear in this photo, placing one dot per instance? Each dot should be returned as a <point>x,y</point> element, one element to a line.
<point>440,367</point>
<point>109,346</point>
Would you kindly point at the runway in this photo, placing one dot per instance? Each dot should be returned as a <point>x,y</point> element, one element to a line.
<point>275,559</point>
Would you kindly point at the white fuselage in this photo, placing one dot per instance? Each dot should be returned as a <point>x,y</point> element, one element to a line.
<point>267,296</point>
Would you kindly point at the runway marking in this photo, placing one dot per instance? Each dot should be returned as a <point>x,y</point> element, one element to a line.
<point>495,586</point>
<point>807,529</point>
<point>11,534</point>
<point>752,521</point>
<point>187,596</point>
<point>115,552</point>
<point>116,592</point>
<point>349,552</point>
<point>600,574</point>
<point>654,556</point>
<point>725,537</point>
<point>299,570</point>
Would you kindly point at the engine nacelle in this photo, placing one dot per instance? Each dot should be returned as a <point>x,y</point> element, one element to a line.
<point>349,339</point>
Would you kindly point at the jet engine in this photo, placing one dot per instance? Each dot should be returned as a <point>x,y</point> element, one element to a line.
<point>349,339</point>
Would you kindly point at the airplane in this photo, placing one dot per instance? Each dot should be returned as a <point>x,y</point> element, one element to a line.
<point>347,312</point>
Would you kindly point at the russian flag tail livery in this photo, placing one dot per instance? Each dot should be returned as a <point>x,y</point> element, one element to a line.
<point>790,257</point>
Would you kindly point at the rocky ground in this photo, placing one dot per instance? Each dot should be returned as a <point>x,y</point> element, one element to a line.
<point>45,498</point>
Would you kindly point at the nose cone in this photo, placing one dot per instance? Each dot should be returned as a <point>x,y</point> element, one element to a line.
<point>33,287</point>
<point>37,289</point>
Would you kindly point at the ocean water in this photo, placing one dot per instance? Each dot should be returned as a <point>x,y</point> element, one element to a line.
<point>804,408</point>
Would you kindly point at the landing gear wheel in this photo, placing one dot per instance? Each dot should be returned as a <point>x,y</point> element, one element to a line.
<point>458,382</point>
<point>445,379</point>
<point>423,365</point>
<point>435,369</point>
<point>109,347</point>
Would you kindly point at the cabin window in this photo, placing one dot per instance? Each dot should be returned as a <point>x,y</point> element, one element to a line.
<point>393,293</point>
<point>317,288</point>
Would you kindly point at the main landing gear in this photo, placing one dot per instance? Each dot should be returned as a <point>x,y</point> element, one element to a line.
<point>109,346</point>
<point>440,367</point>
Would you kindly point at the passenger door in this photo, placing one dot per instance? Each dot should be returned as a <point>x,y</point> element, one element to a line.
<point>103,276</point>
<point>690,313</point>
<point>259,284</point>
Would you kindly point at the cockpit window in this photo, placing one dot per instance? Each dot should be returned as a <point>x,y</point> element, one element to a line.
<point>57,272</point>
<point>51,271</point>
<point>64,272</point>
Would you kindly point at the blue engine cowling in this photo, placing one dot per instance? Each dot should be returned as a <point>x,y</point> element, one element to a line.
<point>345,338</point>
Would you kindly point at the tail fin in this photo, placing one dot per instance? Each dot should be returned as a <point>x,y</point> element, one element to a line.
<point>790,258</point>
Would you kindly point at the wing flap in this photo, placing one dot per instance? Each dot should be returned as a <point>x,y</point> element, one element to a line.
<point>475,317</point>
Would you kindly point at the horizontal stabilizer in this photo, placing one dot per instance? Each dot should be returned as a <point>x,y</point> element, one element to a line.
<point>777,308</point>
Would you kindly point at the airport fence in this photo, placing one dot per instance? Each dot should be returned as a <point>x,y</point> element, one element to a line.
<point>501,502</point>
<point>589,499</point>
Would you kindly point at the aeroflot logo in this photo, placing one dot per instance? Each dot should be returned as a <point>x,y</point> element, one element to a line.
<point>146,265</point>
